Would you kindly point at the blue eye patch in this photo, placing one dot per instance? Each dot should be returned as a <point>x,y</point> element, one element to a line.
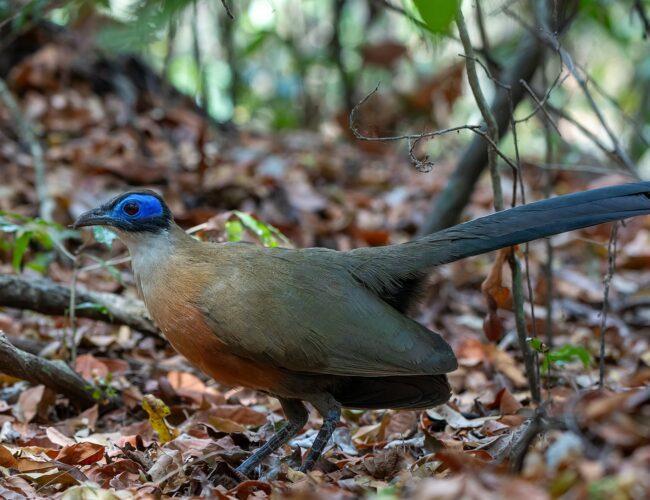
<point>139,206</point>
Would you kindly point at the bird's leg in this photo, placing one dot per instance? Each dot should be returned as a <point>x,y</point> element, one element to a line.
<point>297,416</point>
<point>330,418</point>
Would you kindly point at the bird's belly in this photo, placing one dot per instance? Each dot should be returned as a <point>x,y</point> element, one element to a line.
<point>186,329</point>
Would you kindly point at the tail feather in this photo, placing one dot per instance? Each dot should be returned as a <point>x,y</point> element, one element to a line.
<point>387,272</point>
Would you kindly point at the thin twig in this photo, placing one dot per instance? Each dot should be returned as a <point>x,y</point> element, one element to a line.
<point>534,427</point>
<point>227,9</point>
<point>552,40</point>
<point>637,127</point>
<point>518,298</point>
<point>611,268</point>
<point>72,338</point>
<point>27,134</point>
<point>590,135</point>
<point>484,107</point>
<point>196,53</point>
<point>493,134</point>
<point>540,106</point>
<point>640,10</point>
<point>548,264</point>
<point>414,138</point>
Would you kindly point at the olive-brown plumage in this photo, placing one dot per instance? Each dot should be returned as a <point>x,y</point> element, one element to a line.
<point>319,325</point>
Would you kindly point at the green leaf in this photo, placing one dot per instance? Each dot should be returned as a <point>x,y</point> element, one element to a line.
<point>559,356</point>
<point>20,247</point>
<point>437,14</point>
<point>269,236</point>
<point>568,353</point>
<point>40,262</point>
<point>104,236</point>
<point>537,345</point>
<point>234,230</point>
<point>93,306</point>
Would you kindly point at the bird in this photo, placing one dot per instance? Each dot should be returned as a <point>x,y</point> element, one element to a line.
<point>326,327</point>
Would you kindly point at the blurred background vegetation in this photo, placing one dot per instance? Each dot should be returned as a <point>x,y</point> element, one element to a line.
<point>270,65</point>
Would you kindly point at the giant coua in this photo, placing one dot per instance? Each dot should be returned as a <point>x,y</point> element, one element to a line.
<point>318,325</point>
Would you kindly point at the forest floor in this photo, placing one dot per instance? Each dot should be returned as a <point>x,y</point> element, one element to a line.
<point>490,441</point>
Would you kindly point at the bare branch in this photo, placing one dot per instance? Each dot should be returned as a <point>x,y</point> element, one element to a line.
<point>552,40</point>
<point>611,267</point>
<point>53,374</point>
<point>640,10</point>
<point>413,139</point>
<point>227,9</point>
<point>46,297</point>
<point>484,107</point>
<point>590,135</point>
<point>540,106</point>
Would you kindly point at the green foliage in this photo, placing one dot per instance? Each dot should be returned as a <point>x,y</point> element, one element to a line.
<point>92,306</point>
<point>102,389</point>
<point>438,15</point>
<point>104,236</point>
<point>234,230</point>
<point>537,345</point>
<point>560,356</point>
<point>20,18</point>
<point>152,18</point>
<point>268,235</point>
<point>26,230</point>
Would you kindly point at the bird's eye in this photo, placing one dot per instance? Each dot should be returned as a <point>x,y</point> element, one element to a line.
<point>131,208</point>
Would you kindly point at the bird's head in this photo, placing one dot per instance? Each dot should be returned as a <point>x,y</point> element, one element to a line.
<point>132,213</point>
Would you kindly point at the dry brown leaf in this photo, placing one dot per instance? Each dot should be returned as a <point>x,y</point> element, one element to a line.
<point>32,402</point>
<point>90,368</point>
<point>7,459</point>
<point>187,385</point>
<point>84,453</point>
<point>57,437</point>
<point>239,414</point>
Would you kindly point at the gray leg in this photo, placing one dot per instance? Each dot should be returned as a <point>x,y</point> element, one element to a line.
<point>297,416</point>
<point>330,419</point>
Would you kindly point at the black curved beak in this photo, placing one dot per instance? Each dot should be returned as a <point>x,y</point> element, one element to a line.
<point>94,217</point>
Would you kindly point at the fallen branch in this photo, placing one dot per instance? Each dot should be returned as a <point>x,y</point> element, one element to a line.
<point>53,374</point>
<point>46,297</point>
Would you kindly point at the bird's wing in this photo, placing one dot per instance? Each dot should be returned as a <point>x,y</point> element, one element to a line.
<point>302,310</point>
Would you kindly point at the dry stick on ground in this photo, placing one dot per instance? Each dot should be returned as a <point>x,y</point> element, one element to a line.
<point>611,262</point>
<point>46,297</point>
<point>26,133</point>
<point>493,133</point>
<point>53,374</point>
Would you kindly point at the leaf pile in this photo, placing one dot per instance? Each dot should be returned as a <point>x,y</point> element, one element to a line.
<point>489,441</point>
